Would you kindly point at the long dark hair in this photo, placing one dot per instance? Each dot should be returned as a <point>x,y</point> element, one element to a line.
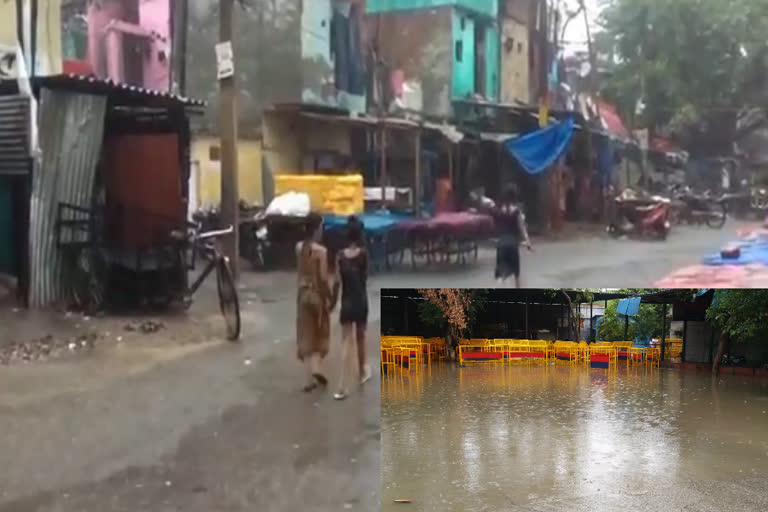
<point>311,224</point>
<point>355,231</point>
<point>510,195</point>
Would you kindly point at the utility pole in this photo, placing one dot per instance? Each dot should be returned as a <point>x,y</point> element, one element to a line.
<point>230,195</point>
<point>180,24</point>
<point>543,64</point>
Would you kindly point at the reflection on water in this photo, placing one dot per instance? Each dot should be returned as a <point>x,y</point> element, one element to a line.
<point>509,437</point>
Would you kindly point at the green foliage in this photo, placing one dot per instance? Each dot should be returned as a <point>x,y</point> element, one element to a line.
<point>690,59</point>
<point>647,323</point>
<point>742,313</point>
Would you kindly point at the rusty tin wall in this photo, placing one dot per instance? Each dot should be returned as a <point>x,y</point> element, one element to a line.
<point>71,133</point>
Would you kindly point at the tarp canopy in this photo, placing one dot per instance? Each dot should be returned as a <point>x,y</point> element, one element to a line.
<point>629,307</point>
<point>611,120</point>
<point>538,150</point>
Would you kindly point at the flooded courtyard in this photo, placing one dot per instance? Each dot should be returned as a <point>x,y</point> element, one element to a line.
<point>562,437</point>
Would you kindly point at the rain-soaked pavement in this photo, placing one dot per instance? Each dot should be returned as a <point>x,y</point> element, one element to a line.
<point>166,426</point>
<point>587,261</point>
<point>517,438</point>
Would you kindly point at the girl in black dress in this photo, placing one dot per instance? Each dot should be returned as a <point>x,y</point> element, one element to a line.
<point>511,222</point>
<point>352,266</point>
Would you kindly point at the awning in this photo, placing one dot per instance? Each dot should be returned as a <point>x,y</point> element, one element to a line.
<point>611,120</point>
<point>538,150</point>
<point>629,307</point>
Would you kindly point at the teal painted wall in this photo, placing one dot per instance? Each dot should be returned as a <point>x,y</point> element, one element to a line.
<point>6,228</point>
<point>492,63</point>
<point>463,60</point>
<point>485,7</point>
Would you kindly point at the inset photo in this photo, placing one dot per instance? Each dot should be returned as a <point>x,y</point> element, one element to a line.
<point>574,399</point>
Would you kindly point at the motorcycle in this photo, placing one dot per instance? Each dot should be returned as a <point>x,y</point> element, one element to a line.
<point>255,237</point>
<point>643,217</point>
<point>729,360</point>
<point>700,208</point>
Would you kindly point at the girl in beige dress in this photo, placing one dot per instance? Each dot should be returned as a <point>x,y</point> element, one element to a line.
<point>313,304</point>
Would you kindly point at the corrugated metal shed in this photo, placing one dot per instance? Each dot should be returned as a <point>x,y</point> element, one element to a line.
<point>14,139</point>
<point>119,93</point>
<point>71,133</point>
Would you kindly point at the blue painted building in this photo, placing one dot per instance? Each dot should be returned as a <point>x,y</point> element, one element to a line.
<point>438,51</point>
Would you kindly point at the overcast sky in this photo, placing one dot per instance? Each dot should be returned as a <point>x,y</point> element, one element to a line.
<point>576,33</point>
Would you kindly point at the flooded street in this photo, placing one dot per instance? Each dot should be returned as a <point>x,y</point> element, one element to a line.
<point>569,438</point>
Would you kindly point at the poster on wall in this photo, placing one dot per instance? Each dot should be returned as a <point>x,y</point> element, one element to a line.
<point>8,68</point>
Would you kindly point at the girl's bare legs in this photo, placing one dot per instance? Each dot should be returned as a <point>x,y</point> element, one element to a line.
<point>346,349</point>
<point>310,383</point>
<point>365,370</point>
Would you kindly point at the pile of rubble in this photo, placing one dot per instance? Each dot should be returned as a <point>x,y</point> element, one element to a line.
<point>45,348</point>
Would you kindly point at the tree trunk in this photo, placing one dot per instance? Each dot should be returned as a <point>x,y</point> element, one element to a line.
<point>451,342</point>
<point>720,352</point>
<point>571,317</point>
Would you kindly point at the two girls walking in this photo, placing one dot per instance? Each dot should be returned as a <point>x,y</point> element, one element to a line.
<point>317,295</point>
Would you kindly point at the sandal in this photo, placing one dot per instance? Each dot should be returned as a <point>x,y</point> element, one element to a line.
<point>310,387</point>
<point>341,395</point>
<point>320,378</point>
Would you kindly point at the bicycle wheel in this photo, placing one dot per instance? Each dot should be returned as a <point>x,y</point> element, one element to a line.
<point>228,301</point>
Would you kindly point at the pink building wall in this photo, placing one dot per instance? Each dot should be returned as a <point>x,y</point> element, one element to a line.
<point>155,16</point>
<point>105,45</point>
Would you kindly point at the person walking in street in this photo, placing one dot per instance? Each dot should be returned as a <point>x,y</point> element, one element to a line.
<point>352,267</point>
<point>313,303</point>
<point>511,221</point>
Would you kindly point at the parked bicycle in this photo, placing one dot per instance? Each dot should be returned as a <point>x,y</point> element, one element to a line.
<point>207,244</point>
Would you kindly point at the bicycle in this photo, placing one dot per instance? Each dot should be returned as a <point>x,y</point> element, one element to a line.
<point>207,243</point>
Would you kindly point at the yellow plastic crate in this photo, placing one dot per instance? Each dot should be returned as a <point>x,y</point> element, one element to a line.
<point>340,195</point>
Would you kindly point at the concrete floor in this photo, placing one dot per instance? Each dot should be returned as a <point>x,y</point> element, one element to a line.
<point>159,426</point>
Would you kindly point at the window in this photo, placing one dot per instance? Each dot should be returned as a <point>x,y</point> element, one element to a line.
<point>459,51</point>
<point>214,153</point>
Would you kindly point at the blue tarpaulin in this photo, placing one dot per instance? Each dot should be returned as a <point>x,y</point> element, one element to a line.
<point>751,252</point>
<point>538,150</point>
<point>373,223</point>
<point>629,307</point>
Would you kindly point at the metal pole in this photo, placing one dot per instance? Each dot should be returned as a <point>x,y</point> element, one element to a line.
<point>626,327</point>
<point>663,332</point>
<point>685,334</point>
<point>33,39</point>
<point>230,195</point>
<point>527,335</point>
<point>417,171</point>
<point>180,16</point>
<point>591,322</point>
<point>382,149</point>
<point>20,24</point>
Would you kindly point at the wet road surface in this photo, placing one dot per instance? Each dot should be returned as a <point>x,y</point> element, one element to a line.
<point>203,427</point>
<point>555,438</point>
<point>594,261</point>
